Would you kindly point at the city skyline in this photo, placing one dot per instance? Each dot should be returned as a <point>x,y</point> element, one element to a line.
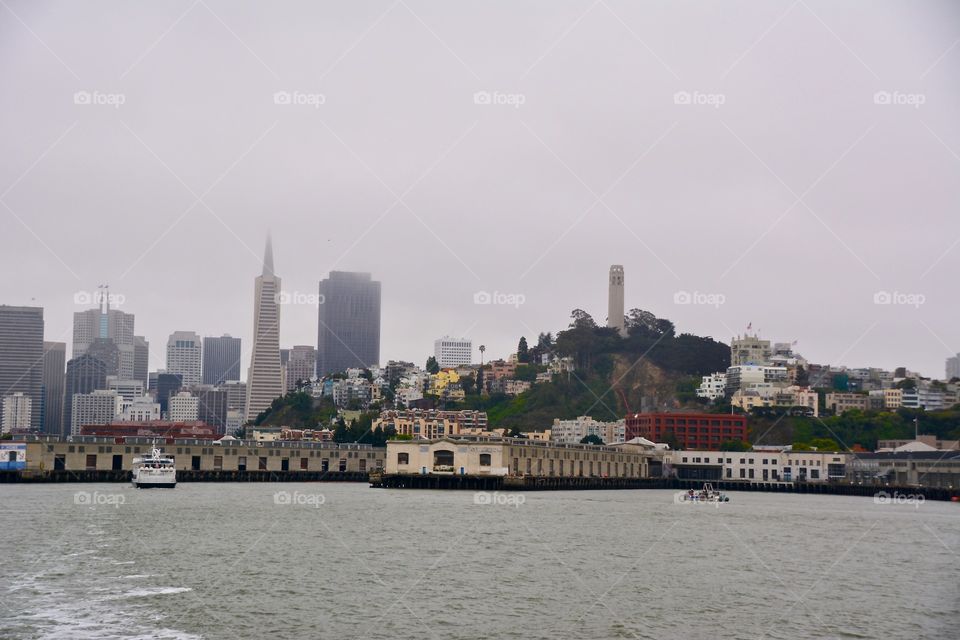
<point>797,188</point>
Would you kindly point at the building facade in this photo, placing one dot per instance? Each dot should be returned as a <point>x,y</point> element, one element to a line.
<point>185,357</point>
<point>264,377</point>
<point>54,379</point>
<point>21,357</point>
<point>301,365</point>
<point>749,350</point>
<point>757,466</point>
<point>348,322</point>
<point>97,407</point>
<point>575,430</point>
<point>452,352</point>
<point>106,323</point>
<point>184,407</point>
<point>687,430</point>
<point>17,412</point>
<point>466,455</point>
<point>221,359</point>
<point>85,374</point>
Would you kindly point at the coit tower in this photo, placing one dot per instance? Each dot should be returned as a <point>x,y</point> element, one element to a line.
<point>615,299</point>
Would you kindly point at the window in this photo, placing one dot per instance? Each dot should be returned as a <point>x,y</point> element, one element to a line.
<point>484,459</point>
<point>403,458</point>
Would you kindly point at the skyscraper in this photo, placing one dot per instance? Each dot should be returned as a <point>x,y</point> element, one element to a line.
<point>264,378</point>
<point>953,367</point>
<point>184,356</point>
<point>54,378</point>
<point>615,299</point>
<point>168,384</point>
<point>141,360</point>
<point>221,359</point>
<point>301,364</point>
<point>106,351</point>
<point>104,322</point>
<point>85,374</point>
<point>349,322</point>
<point>21,357</point>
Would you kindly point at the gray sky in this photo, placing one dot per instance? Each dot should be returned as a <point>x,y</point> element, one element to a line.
<point>786,187</point>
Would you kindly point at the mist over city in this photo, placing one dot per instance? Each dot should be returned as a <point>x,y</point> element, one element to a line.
<point>638,319</point>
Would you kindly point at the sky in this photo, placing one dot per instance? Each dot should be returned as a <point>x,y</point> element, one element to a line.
<point>789,166</point>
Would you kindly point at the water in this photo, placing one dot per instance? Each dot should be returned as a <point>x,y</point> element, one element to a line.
<point>346,561</point>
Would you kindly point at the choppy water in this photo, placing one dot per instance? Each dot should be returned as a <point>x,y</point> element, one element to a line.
<point>346,561</point>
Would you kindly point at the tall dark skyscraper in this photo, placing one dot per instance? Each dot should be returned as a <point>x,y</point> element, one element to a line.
<point>212,408</point>
<point>221,359</point>
<point>168,384</point>
<point>106,351</point>
<point>21,357</point>
<point>85,374</point>
<point>54,378</point>
<point>141,360</point>
<point>349,322</point>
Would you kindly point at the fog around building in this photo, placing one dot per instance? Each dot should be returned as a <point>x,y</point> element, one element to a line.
<point>787,165</point>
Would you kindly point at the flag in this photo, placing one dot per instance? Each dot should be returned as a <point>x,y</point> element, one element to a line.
<point>749,326</point>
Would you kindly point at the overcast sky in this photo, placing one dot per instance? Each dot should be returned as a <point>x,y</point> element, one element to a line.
<point>780,187</point>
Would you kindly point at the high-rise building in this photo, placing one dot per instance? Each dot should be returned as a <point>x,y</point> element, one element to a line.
<point>129,390</point>
<point>21,357</point>
<point>168,384</point>
<point>98,407</point>
<point>104,322</point>
<point>953,367</point>
<point>221,359</point>
<point>85,374</point>
<point>141,360</point>
<point>212,408</point>
<point>349,322</point>
<point>17,412</point>
<point>452,352</point>
<point>264,377</point>
<point>54,378</point>
<point>106,351</point>
<point>615,299</point>
<point>301,364</point>
<point>184,407</point>
<point>184,356</point>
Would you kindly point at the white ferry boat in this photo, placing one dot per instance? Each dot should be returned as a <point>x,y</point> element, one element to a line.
<point>154,470</point>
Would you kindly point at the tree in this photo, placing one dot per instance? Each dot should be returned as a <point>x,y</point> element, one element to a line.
<point>432,366</point>
<point>803,377</point>
<point>591,439</point>
<point>545,340</point>
<point>907,383</point>
<point>468,384</point>
<point>581,320</point>
<point>523,353</point>
<point>734,445</point>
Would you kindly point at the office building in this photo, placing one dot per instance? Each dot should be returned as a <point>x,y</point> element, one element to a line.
<point>300,365</point>
<point>348,322</point>
<point>17,413</point>
<point>104,322</point>
<point>212,408</point>
<point>221,359</point>
<point>141,360</point>
<point>168,384</point>
<point>184,407</point>
<point>184,357</point>
<point>97,407</point>
<point>85,374</point>
<point>749,350</point>
<point>687,430</point>
<point>452,352</point>
<point>54,379</point>
<point>953,367</point>
<point>21,356</point>
<point>106,351</point>
<point>264,377</point>
<point>142,409</point>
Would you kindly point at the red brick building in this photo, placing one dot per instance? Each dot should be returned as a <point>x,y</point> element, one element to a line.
<point>154,428</point>
<point>705,431</point>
